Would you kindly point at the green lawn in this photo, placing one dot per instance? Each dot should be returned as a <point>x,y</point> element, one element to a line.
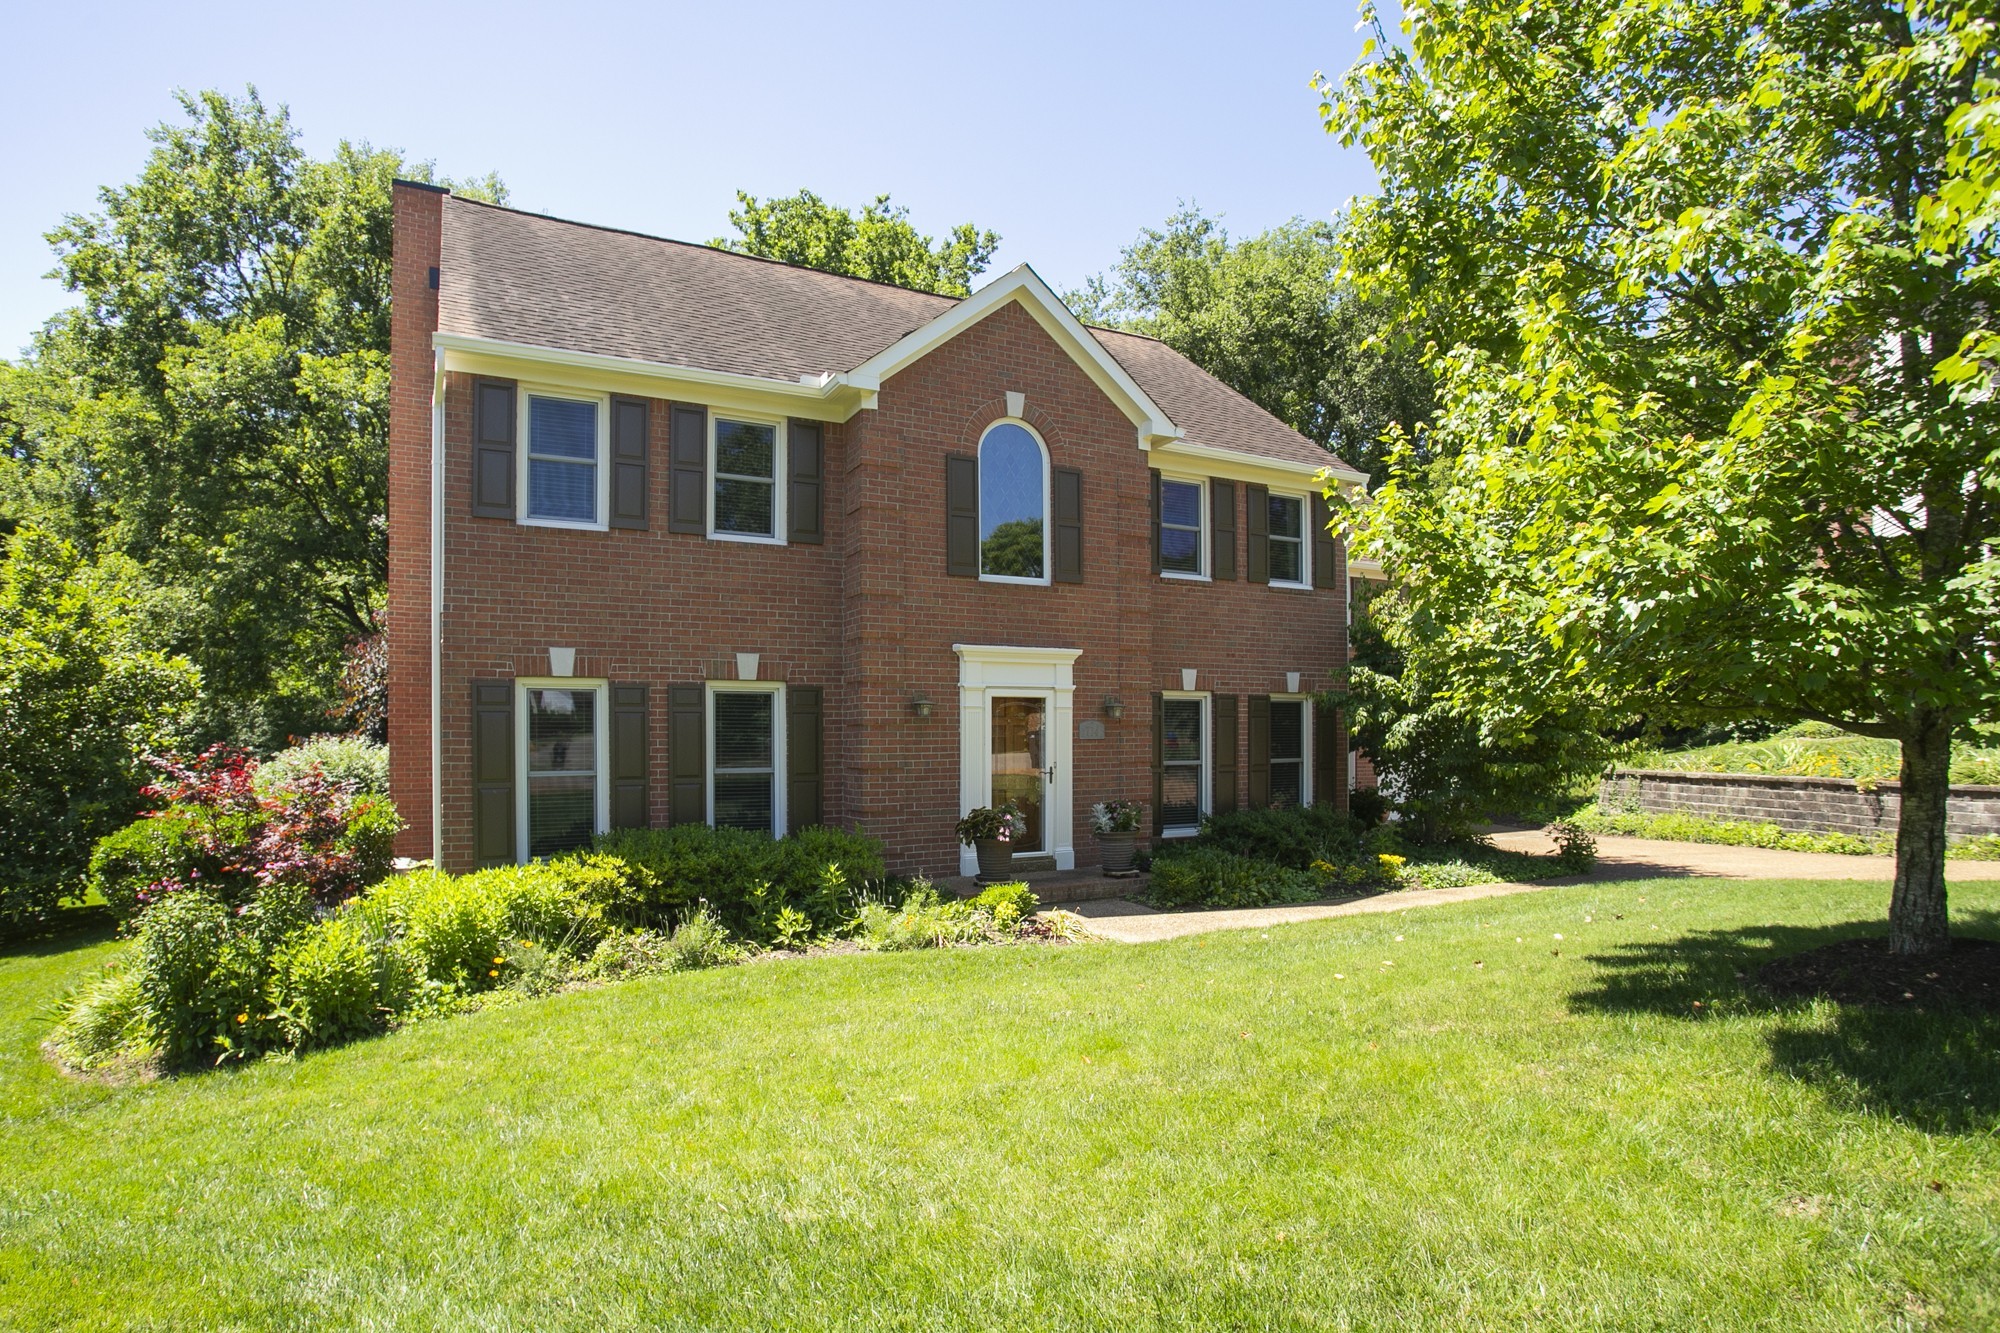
<point>1864,757</point>
<point>1343,1124</point>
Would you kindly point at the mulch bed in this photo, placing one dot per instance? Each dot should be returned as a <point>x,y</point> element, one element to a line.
<point>1865,972</point>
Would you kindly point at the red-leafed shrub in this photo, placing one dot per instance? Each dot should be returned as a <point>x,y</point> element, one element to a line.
<point>214,831</point>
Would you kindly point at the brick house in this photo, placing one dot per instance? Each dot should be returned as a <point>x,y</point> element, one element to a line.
<point>682,535</point>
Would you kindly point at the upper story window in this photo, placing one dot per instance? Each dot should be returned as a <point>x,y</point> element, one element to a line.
<point>1288,540</point>
<point>563,460</point>
<point>1013,505</point>
<point>1181,505</point>
<point>746,456</point>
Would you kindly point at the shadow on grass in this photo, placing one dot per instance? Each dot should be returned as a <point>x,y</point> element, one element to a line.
<point>70,928</point>
<point>1935,1067</point>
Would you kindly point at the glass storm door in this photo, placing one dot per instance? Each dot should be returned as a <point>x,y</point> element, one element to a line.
<point>1021,769</point>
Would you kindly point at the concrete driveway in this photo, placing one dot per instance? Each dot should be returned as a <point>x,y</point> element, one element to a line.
<point>1617,858</point>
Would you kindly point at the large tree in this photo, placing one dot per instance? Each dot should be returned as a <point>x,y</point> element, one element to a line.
<point>1274,317</point>
<point>1711,282</point>
<point>878,243</point>
<point>215,406</point>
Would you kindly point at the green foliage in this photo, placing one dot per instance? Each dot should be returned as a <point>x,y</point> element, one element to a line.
<point>204,970</point>
<point>1013,549</point>
<point>215,407</point>
<point>1273,317</point>
<point>700,941</point>
<point>747,879</point>
<point>83,698</point>
<point>1711,289</point>
<point>1293,837</point>
<point>925,921</point>
<point>1576,850</point>
<point>355,762</point>
<point>1675,827</point>
<point>1186,875</point>
<point>336,983</point>
<point>878,243</point>
<point>103,1022</point>
<point>1813,749</point>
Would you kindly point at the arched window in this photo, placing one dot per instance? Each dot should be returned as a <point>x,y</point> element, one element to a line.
<point>1013,504</point>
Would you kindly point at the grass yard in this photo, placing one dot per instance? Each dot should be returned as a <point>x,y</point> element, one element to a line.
<point>1449,1118</point>
<point>1818,756</point>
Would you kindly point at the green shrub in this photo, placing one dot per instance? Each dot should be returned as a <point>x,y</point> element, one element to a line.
<point>1368,806</point>
<point>700,941</point>
<point>455,930</point>
<point>925,921</point>
<point>82,697</point>
<point>1192,875</point>
<point>1009,904</point>
<point>1293,837</point>
<point>328,984</point>
<point>103,1022</point>
<point>567,904</point>
<point>748,879</point>
<point>1576,850</point>
<point>152,856</point>
<point>356,763</point>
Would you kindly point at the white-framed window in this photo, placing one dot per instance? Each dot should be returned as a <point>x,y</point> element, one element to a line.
<point>1291,748</point>
<point>564,436</point>
<point>1183,528</point>
<point>746,756</point>
<point>560,752</point>
<point>746,469</point>
<point>1013,504</point>
<point>1289,547</point>
<point>1184,763</point>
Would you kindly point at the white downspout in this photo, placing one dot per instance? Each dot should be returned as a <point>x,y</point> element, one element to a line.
<point>437,607</point>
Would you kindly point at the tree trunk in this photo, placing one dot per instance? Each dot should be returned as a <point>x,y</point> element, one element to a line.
<point>1917,923</point>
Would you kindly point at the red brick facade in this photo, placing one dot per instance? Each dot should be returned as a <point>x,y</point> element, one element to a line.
<point>870,616</point>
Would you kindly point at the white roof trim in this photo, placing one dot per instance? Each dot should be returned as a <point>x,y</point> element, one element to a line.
<point>1025,286</point>
<point>1237,462</point>
<point>815,390</point>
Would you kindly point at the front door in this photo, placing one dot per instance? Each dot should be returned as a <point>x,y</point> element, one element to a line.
<point>1021,767</point>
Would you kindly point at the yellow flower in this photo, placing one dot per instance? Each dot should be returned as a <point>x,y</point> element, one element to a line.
<point>494,973</point>
<point>243,1018</point>
<point>498,961</point>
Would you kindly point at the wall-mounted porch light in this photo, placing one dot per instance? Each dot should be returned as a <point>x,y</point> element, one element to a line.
<point>1114,707</point>
<point>921,705</point>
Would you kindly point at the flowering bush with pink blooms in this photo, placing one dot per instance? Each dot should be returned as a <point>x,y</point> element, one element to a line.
<point>213,830</point>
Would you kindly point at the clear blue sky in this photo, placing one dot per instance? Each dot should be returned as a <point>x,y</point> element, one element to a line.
<point>1066,127</point>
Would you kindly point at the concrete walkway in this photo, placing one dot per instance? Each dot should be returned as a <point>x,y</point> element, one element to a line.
<point>1617,858</point>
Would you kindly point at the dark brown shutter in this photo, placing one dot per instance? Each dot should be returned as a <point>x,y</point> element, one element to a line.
<point>631,419</point>
<point>805,504</point>
<point>1325,565</point>
<point>1222,783</point>
<point>1257,513</point>
<point>493,426</point>
<point>1260,751</point>
<point>687,479</point>
<point>687,748</point>
<point>1068,485</point>
<point>961,516</point>
<point>1330,758</point>
<point>1159,758</point>
<point>1155,475</point>
<point>630,759</point>
<point>1222,529</point>
<point>493,771</point>
<point>805,764</point>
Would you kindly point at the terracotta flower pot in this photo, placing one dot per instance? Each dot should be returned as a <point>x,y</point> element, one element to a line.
<point>1116,850</point>
<point>996,860</point>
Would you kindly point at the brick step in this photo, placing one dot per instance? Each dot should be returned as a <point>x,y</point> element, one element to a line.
<point>1058,887</point>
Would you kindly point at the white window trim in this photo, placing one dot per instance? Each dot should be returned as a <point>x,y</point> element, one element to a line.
<point>780,471</point>
<point>524,393</point>
<point>1202,542</point>
<point>779,769</point>
<point>1304,580</point>
<point>1048,505</point>
<point>1207,784</point>
<point>1306,764</point>
<point>600,821</point>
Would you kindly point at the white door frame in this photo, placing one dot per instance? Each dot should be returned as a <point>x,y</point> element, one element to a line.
<point>990,669</point>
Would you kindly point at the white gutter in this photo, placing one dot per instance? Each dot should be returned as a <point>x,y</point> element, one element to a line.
<point>811,389</point>
<point>437,607</point>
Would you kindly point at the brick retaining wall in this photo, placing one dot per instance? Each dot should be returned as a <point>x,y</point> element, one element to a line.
<point>1801,805</point>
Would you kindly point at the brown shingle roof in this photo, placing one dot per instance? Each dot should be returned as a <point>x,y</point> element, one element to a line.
<point>524,278</point>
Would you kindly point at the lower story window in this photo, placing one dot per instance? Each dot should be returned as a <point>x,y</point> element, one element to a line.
<point>743,759</point>
<point>1288,752</point>
<point>561,769</point>
<point>1183,753</point>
